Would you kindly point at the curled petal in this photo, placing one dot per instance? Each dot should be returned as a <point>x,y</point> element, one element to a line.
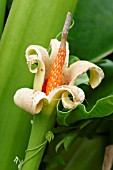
<point>54,45</point>
<point>33,59</point>
<point>78,97</point>
<point>37,55</point>
<point>63,92</point>
<point>79,68</point>
<point>30,100</point>
<point>34,53</point>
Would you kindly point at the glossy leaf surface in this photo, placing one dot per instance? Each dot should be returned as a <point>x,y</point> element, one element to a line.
<point>92,35</point>
<point>29,22</point>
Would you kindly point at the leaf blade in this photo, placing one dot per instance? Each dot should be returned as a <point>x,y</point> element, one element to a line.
<point>26,24</point>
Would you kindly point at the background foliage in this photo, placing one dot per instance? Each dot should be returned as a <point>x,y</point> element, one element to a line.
<point>78,138</point>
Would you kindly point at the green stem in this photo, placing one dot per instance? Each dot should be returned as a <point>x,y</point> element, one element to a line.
<point>42,123</point>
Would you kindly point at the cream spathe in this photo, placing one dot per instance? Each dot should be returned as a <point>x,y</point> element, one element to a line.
<point>31,100</point>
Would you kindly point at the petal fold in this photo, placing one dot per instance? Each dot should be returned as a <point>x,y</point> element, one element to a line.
<point>30,100</point>
<point>79,68</point>
<point>34,53</point>
<point>38,56</point>
<point>63,92</point>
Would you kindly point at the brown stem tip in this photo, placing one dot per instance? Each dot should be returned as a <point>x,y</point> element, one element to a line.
<point>108,158</point>
<point>65,30</point>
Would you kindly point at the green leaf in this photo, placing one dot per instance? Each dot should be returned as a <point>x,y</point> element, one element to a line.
<point>88,155</point>
<point>104,89</point>
<point>91,36</point>
<point>73,59</point>
<point>29,22</point>
<point>73,132</point>
<point>2,14</point>
<point>60,160</point>
<point>99,101</point>
<point>56,160</point>
<point>9,3</point>
<point>70,138</point>
<point>88,130</point>
<point>82,79</point>
<point>70,153</point>
<point>102,108</point>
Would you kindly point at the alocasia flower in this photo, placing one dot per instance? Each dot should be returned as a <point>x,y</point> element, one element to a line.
<point>54,80</point>
<point>32,100</point>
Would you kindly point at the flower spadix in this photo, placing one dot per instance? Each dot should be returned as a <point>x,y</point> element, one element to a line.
<point>31,100</point>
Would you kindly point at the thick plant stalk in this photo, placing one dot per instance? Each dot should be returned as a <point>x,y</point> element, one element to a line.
<point>27,24</point>
<point>42,123</point>
<point>45,120</point>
